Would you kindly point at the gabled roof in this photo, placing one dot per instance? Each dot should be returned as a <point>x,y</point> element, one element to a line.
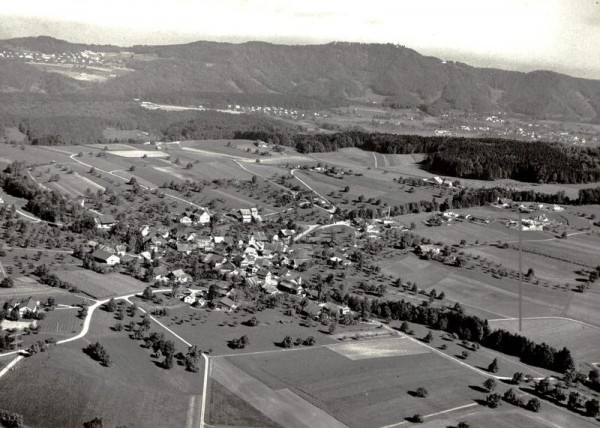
<point>101,254</point>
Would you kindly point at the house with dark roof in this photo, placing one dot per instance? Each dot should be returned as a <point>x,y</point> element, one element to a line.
<point>103,256</point>
<point>104,221</point>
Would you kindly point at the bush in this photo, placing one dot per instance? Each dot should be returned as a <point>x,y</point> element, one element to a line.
<point>421,392</point>
<point>490,384</point>
<point>417,418</point>
<point>534,405</point>
<point>493,400</point>
<point>10,419</point>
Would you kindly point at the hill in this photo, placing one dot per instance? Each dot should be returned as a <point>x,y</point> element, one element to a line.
<point>335,73</point>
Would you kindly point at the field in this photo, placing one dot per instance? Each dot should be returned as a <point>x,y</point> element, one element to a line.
<point>582,339</point>
<point>101,285</point>
<point>372,391</point>
<point>133,392</point>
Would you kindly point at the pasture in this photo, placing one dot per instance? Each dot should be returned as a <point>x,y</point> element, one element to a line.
<point>101,285</point>
<point>369,392</point>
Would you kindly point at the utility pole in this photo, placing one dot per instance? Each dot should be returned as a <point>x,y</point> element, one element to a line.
<point>520,274</point>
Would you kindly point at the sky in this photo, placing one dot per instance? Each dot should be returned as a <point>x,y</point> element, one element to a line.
<point>560,35</point>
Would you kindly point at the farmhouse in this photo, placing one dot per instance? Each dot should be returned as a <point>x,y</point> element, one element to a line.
<point>104,221</point>
<point>102,256</point>
<point>179,276</point>
<point>290,286</point>
<point>424,250</point>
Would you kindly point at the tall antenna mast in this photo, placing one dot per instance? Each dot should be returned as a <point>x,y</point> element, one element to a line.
<point>520,274</point>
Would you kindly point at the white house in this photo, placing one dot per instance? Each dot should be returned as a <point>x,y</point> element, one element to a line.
<point>103,256</point>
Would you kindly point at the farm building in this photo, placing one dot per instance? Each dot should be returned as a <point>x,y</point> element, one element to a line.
<point>179,276</point>
<point>102,256</point>
<point>104,221</point>
<point>29,306</point>
<point>226,304</point>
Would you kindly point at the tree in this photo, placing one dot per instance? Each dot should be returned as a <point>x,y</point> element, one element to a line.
<point>111,305</point>
<point>418,418</point>
<point>543,387</point>
<point>510,396</point>
<point>7,282</point>
<point>493,400</point>
<point>421,392</point>
<point>464,355</point>
<point>463,425</point>
<point>493,367</point>
<point>518,378</point>
<point>490,384</point>
<point>94,423</point>
<point>332,327</point>
<point>286,342</point>
<point>428,338</point>
<point>574,401</point>
<point>534,405</point>
<point>147,295</point>
<point>592,407</point>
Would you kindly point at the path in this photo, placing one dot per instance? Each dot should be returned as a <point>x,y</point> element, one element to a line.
<point>547,318</point>
<point>266,179</point>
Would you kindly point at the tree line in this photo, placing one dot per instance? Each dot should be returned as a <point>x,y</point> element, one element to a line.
<point>466,327</point>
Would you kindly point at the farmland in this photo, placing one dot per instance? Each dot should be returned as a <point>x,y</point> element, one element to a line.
<point>101,286</point>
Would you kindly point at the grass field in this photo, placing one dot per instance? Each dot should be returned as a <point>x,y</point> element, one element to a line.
<point>226,408</point>
<point>583,340</point>
<point>101,285</point>
<point>369,392</point>
<point>133,392</point>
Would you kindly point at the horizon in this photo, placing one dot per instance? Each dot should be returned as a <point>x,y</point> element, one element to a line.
<point>555,35</point>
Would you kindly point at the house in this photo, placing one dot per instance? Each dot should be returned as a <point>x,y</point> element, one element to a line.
<point>201,216</point>
<point>260,236</point>
<point>252,281</point>
<point>255,216</point>
<point>290,286</point>
<point>334,308</point>
<point>270,289</point>
<point>103,256</point>
<point>121,249</point>
<point>190,299</point>
<point>438,180</point>
<point>245,215</point>
<point>424,250</point>
<point>104,221</point>
<point>204,242</point>
<point>185,220</point>
<point>180,276</point>
<point>287,233</point>
<point>145,230</point>
<point>226,304</point>
<point>447,183</point>
<point>312,310</point>
<point>186,248</point>
<point>28,306</point>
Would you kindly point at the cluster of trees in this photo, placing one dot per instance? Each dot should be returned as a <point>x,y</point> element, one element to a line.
<point>574,400</point>
<point>239,343</point>
<point>467,327</point>
<point>41,346</point>
<point>161,346</point>
<point>98,353</point>
<point>288,342</point>
<point>47,205</point>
